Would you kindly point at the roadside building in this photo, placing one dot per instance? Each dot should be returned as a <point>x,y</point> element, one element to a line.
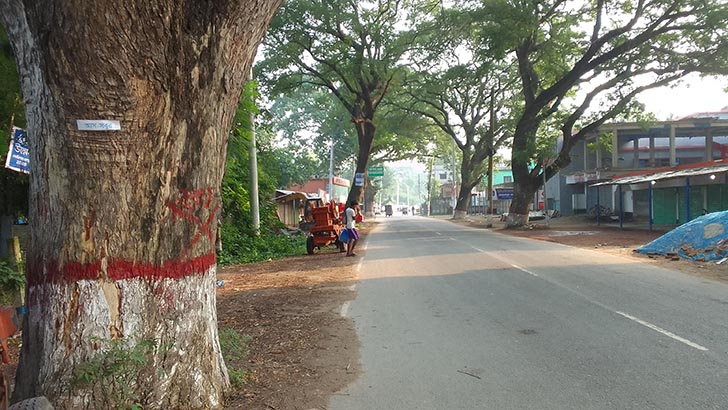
<point>664,173</point>
<point>319,186</point>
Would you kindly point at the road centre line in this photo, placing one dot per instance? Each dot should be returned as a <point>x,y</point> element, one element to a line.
<point>625,315</point>
<point>525,270</point>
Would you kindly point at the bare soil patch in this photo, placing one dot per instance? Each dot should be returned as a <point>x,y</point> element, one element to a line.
<point>302,350</point>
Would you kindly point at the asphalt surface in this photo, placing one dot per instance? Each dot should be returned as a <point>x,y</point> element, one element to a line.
<point>451,317</point>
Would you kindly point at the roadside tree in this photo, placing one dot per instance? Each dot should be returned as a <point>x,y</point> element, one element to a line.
<point>351,49</point>
<point>580,64</point>
<point>123,217</point>
<point>462,91</point>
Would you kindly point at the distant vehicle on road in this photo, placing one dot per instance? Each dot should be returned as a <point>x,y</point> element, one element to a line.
<point>388,210</point>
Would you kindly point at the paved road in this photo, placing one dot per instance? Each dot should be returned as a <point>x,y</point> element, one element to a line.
<point>451,317</point>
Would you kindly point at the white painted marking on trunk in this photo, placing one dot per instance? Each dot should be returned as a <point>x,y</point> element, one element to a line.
<point>663,331</point>
<point>525,270</point>
<point>344,309</point>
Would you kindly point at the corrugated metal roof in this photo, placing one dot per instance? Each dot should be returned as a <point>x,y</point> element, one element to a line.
<point>283,195</point>
<point>676,173</point>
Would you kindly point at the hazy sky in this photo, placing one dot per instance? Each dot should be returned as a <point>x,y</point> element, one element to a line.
<point>695,95</point>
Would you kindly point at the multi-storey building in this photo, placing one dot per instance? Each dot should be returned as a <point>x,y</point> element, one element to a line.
<point>663,173</point>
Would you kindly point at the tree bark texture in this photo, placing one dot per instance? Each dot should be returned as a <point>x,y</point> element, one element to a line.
<point>463,203</point>
<point>123,222</point>
<point>524,187</point>
<point>365,130</point>
<point>472,169</point>
<point>369,195</point>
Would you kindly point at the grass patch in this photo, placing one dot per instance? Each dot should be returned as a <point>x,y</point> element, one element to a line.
<point>234,348</point>
<point>240,247</point>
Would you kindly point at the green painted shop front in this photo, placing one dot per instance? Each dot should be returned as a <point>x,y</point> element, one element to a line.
<point>670,208</point>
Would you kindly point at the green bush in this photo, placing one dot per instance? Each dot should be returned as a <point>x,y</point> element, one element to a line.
<point>11,281</point>
<point>239,246</point>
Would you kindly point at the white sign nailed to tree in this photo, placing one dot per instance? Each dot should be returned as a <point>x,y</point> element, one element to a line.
<point>98,125</point>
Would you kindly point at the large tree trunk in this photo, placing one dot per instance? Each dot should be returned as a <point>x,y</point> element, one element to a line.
<point>369,195</point>
<point>463,204</point>
<point>524,188</point>
<point>123,222</point>
<point>471,173</point>
<point>365,130</point>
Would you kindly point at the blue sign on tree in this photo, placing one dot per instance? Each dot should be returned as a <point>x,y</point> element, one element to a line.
<point>504,193</point>
<point>18,158</point>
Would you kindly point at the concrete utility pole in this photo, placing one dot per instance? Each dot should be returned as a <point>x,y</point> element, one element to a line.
<point>489,213</point>
<point>429,187</point>
<point>253,154</point>
<point>545,208</point>
<point>331,171</point>
<point>454,172</point>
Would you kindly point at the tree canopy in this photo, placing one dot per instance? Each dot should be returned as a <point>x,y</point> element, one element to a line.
<point>581,64</point>
<point>484,71</point>
<point>350,49</point>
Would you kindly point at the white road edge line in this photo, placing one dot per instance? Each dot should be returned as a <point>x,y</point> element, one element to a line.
<point>663,331</point>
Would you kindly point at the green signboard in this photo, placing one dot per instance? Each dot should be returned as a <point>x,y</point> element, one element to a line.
<point>376,171</point>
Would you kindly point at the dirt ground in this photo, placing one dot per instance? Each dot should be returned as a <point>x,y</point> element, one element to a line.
<point>302,350</point>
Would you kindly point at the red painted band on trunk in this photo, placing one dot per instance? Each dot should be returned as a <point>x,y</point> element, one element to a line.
<point>41,273</point>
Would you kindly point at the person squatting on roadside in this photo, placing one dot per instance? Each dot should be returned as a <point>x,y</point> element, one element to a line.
<point>350,214</point>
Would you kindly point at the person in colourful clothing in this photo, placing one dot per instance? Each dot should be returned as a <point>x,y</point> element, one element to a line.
<point>350,217</point>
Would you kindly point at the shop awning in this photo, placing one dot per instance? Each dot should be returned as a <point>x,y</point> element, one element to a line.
<point>680,172</point>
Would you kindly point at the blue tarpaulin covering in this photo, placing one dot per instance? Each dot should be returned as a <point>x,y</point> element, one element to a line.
<point>704,238</point>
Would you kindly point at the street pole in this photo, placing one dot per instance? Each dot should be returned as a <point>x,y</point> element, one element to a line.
<point>429,187</point>
<point>545,208</point>
<point>252,152</point>
<point>454,171</point>
<point>331,171</point>
<point>489,218</point>
<point>419,190</point>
